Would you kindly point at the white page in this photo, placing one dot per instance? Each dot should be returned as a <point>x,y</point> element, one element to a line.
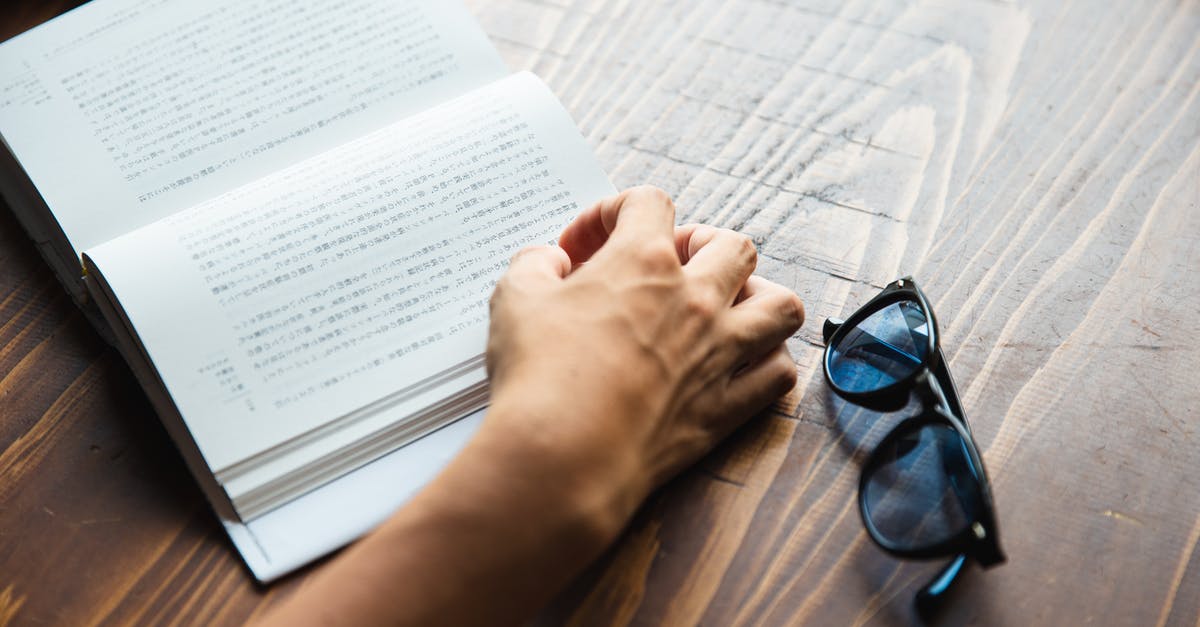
<point>124,111</point>
<point>282,306</point>
<point>336,514</point>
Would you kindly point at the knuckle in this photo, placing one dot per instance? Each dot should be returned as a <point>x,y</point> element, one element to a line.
<point>701,307</point>
<point>522,252</point>
<point>794,309</point>
<point>650,193</point>
<point>656,256</point>
<point>786,375</point>
<point>737,247</point>
<point>747,248</point>
<point>505,288</point>
<point>701,235</point>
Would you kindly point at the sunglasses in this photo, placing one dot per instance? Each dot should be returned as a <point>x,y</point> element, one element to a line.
<point>923,493</point>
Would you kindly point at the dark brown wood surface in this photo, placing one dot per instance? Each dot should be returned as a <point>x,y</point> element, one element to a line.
<point>1036,165</point>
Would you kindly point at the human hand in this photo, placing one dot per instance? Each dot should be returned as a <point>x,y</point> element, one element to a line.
<point>633,347</point>
<point>616,360</point>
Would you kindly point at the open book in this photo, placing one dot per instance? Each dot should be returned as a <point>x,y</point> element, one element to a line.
<point>291,216</point>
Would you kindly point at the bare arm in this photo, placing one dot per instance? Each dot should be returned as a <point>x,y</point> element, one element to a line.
<point>616,359</point>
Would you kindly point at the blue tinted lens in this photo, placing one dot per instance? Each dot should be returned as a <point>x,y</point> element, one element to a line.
<point>923,490</point>
<point>885,347</point>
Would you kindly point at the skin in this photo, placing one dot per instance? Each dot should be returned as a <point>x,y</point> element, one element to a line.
<point>617,359</point>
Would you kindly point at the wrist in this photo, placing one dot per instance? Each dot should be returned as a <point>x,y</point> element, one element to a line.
<point>589,480</point>
<point>516,513</point>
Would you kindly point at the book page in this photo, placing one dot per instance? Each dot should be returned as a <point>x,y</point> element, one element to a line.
<point>124,111</point>
<point>291,304</point>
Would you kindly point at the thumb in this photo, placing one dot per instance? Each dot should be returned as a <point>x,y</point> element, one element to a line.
<point>539,263</point>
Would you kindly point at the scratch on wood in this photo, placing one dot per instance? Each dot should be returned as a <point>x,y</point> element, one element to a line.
<point>10,604</point>
<point>1180,569</point>
<point>99,521</point>
<point>1145,328</point>
<point>1115,515</point>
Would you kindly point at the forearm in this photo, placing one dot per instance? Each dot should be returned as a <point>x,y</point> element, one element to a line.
<point>489,541</point>
<point>616,359</point>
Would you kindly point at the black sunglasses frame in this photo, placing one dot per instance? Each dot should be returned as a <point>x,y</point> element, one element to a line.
<point>979,539</point>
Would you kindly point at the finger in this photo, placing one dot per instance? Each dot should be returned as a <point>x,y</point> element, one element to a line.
<point>767,316</point>
<point>723,258</point>
<point>642,213</point>
<point>586,233</point>
<point>683,238</point>
<point>754,388</point>
<point>539,263</point>
<point>637,214</point>
<point>759,291</point>
<point>754,285</point>
<point>763,381</point>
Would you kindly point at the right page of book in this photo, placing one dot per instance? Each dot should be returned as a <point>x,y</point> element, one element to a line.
<point>124,111</point>
<point>288,305</point>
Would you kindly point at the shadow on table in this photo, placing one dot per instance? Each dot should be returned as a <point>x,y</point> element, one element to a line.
<point>895,580</point>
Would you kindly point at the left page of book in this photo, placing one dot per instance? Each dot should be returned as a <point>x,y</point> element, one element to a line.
<point>303,314</point>
<point>124,111</point>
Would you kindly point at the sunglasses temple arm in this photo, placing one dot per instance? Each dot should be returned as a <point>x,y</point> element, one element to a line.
<point>932,597</point>
<point>945,391</point>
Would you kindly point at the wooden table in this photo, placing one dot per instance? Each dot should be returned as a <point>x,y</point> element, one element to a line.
<point>1036,165</point>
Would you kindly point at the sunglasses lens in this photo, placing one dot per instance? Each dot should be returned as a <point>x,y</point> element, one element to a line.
<point>921,488</point>
<point>885,347</point>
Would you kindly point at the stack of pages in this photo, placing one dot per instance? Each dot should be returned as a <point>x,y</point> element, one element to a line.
<point>290,216</point>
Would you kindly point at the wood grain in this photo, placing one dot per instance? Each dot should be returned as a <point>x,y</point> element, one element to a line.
<point>1035,164</point>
